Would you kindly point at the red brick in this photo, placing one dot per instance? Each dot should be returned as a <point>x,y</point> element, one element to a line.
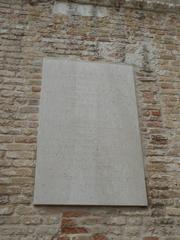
<point>149,97</point>
<point>74,230</point>
<point>99,237</point>
<point>70,214</point>
<point>154,124</point>
<point>151,238</point>
<point>159,139</point>
<point>67,222</point>
<point>156,113</point>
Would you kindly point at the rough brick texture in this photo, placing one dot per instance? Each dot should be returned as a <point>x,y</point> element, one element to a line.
<point>141,35</point>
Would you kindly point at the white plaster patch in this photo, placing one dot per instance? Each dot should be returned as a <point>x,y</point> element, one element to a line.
<point>84,10</point>
<point>134,54</point>
<point>141,54</point>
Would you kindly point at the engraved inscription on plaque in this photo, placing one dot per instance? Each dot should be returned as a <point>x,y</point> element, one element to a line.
<point>89,147</point>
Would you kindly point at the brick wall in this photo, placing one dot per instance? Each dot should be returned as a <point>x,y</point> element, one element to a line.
<point>134,33</point>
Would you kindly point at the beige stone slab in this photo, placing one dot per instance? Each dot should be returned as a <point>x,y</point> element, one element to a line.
<point>89,147</point>
<point>85,10</point>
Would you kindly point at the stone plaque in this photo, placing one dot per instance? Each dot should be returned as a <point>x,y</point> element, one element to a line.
<point>89,147</point>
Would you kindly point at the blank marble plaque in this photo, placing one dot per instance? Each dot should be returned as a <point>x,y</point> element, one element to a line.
<point>89,147</point>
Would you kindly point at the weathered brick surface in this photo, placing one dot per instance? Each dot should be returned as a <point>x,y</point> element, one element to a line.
<point>147,39</point>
